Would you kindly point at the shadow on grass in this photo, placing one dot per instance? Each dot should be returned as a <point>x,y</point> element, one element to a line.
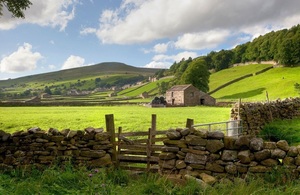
<point>246,94</point>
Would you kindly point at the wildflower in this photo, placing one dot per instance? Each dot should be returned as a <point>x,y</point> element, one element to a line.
<point>96,170</point>
<point>90,175</point>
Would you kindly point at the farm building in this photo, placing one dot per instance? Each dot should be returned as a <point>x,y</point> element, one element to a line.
<point>34,99</point>
<point>45,95</point>
<point>144,95</point>
<point>188,95</point>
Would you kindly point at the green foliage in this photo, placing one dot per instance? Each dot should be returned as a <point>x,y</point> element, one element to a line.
<point>196,74</point>
<point>297,87</point>
<point>163,87</point>
<point>16,7</point>
<point>282,130</point>
<point>222,59</point>
<point>47,90</point>
<point>282,46</point>
<point>55,180</point>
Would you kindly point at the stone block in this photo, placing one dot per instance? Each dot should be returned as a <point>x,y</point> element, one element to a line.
<point>195,159</point>
<point>256,144</point>
<point>283,145</point>
<point>214,146</point>
<point>229,155</point>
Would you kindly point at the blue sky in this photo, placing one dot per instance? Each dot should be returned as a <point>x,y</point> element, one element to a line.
<point>61,34</point>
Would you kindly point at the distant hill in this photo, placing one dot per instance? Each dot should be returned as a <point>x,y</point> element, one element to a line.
<point>83,78</point>
<point>81,73</point>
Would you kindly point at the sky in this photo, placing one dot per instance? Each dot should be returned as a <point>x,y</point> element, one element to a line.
<point>62,34</point>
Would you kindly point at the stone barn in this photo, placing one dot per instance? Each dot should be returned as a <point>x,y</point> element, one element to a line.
<point>188,95</point>
<point>45,95</point>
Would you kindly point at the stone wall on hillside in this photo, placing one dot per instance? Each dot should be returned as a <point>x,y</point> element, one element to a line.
<point>194,153</point>
<point>36,147</point>
<point>256,115</point>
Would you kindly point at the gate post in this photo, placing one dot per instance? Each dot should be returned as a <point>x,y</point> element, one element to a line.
<point>189,123</point>
<point>110,128</point>
<point>153,128</point>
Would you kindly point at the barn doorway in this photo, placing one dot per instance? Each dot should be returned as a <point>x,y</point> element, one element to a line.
<point>202,101</point>
<point>173,101</point>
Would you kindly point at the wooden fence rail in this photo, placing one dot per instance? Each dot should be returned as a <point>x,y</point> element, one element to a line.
<point>137,151</point>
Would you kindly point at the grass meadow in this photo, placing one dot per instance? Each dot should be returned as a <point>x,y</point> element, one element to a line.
<point>278,82</point>
<point>130,118</point>
<point>219,78</point>
<point>68,180</point>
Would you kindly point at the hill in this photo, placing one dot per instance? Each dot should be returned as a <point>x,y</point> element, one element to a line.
<point>150,88</point>
<point>226,76</point>
<point>278,82</point>
<point>84,78</point>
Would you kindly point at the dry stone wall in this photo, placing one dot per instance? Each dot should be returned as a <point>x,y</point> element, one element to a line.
<point>198,153</point>
<point>39,148</point>
<point>256,115</point>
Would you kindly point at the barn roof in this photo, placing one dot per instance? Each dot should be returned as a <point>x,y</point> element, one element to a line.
<point>179,87</point>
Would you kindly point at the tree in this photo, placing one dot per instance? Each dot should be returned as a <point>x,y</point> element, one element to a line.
<point>297,87</point>
<point>222,59</point>
<point>15,7</point>
<point>197,74</point>
<point>163,87</point>
<point>47,90</point>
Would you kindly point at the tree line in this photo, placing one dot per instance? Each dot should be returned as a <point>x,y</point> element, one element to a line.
<point>282,46</point>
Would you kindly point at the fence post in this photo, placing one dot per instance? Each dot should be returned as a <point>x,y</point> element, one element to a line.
<point>110,128</point>
<point>119,147</point>
<point>153,128</point>
<point>189,123</point>
<point>149,148</point>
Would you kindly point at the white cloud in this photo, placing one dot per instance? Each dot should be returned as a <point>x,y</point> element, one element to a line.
<point>73,62</point>
<point>155,64</point>
<point>161,47</point>
<point>54,13</point>
<point>21,60</point>
<point>165,61</point>
<point>204,40</point>
<point>52,67</point>
<point>138,21</point>
<point>86,31</point>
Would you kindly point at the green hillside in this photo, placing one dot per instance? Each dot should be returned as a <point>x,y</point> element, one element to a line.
<point>278,82</point>
<point>151,88</point>
<point>219,78</point>
<point>83,78</point>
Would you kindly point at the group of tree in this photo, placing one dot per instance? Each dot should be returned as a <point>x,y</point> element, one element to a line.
<point>282,46</point>
<point>190,71</point>
<point>15,7</point>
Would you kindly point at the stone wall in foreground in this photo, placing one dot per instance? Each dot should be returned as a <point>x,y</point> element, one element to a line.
<point>196,153</point>
<point>256,115</point>
<point>38,148</point>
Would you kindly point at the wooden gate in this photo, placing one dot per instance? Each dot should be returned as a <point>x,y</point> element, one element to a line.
<point>138,151</point>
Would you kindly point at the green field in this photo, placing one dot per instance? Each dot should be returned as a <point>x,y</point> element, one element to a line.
<point>219,78</point>
<point>130,118</point>
<point>149,87</point>
<point>278,82</point>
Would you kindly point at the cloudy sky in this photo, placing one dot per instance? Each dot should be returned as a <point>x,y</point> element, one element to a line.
<point>61,34</point>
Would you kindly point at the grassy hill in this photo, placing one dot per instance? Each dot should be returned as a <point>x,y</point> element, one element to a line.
<point>224,76</point>
<point>278,82</point>
<point>83,78</point>
<point>151,88</point>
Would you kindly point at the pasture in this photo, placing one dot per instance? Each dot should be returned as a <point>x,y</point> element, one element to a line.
<point>278,82</point>
<point>131,118</point>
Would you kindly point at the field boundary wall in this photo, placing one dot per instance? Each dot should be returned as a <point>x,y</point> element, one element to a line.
<point>256,115</point>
